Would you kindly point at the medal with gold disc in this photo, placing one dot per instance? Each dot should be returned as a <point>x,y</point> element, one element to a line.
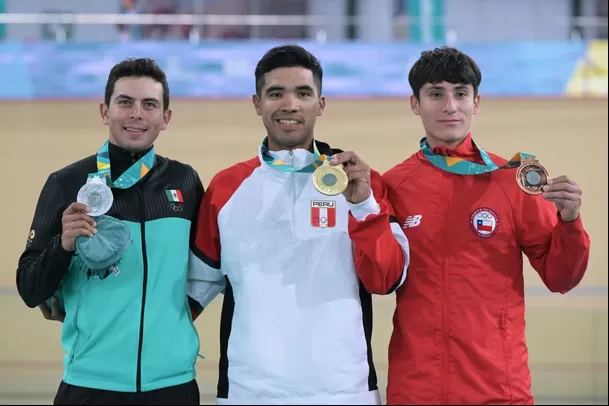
<point>330,180</point>
<point>327,179</point>
<point>531,176</point>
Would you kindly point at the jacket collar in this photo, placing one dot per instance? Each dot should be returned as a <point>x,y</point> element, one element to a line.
<point>466,149</point>
<point>299,157</point>
<point>121,159</point>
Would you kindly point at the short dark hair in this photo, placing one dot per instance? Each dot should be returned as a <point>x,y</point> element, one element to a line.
<point>137,67</point>
<point>444,64</point>
<point>288,56</point>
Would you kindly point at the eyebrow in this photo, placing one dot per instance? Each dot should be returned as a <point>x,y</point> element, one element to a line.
<point>282,88</point>
<point>147,99</point>
<point>459,87</point>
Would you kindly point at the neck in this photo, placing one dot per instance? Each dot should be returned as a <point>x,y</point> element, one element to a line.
<point>435,142</point>
<point>275,146</point>
<point>130,150</point>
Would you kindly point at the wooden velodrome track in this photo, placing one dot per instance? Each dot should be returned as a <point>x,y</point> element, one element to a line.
<point>567,335</point>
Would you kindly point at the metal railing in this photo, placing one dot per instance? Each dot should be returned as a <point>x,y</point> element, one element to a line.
<point>198,21</point>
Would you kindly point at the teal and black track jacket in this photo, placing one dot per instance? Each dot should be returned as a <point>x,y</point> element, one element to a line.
<point>132,331</point>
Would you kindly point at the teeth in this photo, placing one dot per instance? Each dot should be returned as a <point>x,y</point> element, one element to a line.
<point>134,130</point>
<point>288,121</point>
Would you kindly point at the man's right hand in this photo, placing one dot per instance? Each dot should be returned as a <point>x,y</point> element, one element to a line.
<point>74,223</point>
<point>54,313</point>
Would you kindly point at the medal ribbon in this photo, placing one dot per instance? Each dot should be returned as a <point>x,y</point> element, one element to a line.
<point>284,166</point>
<point>131,176</point>
<point>462,166</point>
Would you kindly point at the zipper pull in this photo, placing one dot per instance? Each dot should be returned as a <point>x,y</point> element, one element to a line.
<point>114,269</point>
<point>290,157</point>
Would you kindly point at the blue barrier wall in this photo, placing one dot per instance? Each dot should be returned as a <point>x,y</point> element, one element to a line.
<point>225,69</point>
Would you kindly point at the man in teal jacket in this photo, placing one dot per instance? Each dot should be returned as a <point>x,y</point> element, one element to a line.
<point>128,332</point>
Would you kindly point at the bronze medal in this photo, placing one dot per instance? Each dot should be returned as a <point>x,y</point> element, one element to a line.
<point>531,176</point>
<point>330,180</point>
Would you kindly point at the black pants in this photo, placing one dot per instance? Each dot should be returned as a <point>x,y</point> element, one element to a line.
<point>185,394</point>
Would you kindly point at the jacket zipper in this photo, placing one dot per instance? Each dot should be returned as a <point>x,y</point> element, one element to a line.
<point>138,378</point>
<point>293,180</point>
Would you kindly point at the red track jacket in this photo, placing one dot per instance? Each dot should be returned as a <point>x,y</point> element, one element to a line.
<point>459,327</point>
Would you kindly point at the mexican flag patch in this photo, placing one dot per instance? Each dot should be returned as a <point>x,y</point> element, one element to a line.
<point>174,195</point>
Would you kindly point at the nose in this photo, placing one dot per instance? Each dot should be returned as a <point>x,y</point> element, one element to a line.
<point>450,106</point>
<point>290,104</point>
<point>136,112</point>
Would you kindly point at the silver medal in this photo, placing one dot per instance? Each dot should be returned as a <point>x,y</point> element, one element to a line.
<point>96,195</point>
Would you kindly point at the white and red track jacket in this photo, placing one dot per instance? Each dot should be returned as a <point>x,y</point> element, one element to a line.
<point>296,320</point>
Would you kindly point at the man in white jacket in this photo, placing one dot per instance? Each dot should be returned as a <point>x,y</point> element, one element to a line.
<point>297,266</point>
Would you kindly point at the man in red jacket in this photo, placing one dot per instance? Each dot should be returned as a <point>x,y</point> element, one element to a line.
<point>459,327</point>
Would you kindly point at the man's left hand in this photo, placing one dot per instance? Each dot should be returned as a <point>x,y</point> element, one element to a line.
<point>566,195</point>
<point>358,173</point>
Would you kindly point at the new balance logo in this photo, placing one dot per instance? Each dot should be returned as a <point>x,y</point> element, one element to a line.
<point>412,221</point>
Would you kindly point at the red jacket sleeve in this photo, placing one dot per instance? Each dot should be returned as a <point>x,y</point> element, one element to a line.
<point>205,280</point>
<point>558,251</point>
<point>381,250</point>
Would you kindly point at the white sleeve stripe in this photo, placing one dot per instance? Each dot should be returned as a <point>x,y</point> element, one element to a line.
<point>204,282</point>
<point>401,238</point>
<point>203,257</point>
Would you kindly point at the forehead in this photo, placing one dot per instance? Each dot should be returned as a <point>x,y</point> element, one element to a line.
<point>138,87</point>
<point>446,86</point>
<point>289,77</point>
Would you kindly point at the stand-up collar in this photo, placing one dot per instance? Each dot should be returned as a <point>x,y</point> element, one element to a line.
<point>467,149</point>
<point>121,159</point>
<point>297,158</point>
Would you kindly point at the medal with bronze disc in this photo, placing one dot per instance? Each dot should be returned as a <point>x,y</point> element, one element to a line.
<point>330,180</point>
<point>531,176</point>
<point>96,195</point>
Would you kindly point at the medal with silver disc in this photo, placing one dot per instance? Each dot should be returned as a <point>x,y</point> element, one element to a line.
<point>330,180</point>
<point>532,176</point>
<point>96,195</point>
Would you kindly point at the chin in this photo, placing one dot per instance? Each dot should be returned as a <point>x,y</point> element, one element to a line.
<point>135,145</point>
<point>451,136</point>
<point>290,140</point>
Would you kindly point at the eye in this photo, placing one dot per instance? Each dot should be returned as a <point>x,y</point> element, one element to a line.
<point>274,95</point>
<point>149,105</point>
<point>462,94</point>
<point>303,94</point>
<point>123,102</point>
<point>435,95</point>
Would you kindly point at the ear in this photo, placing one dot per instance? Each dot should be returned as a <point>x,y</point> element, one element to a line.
<point>166,118</point>
<point>103,111</point>
<point>477,104</point>
<point>414,105</point>
<point>256,101</point>
<point>321,105</point>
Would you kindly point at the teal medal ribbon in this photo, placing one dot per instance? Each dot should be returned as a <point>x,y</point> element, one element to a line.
<point>131,176</point>
<point>284,166</point>
<point>462,166</point>
<point>101,254</point>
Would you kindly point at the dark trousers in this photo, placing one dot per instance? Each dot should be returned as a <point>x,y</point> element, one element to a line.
<point>185,394</point>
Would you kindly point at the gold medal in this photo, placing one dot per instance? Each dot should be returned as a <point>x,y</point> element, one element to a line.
<point>330,180</point>
<point>531,176</point>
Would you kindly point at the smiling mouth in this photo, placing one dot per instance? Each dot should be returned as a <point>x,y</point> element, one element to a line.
<point>134,130</point>
<point>288,122</point>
